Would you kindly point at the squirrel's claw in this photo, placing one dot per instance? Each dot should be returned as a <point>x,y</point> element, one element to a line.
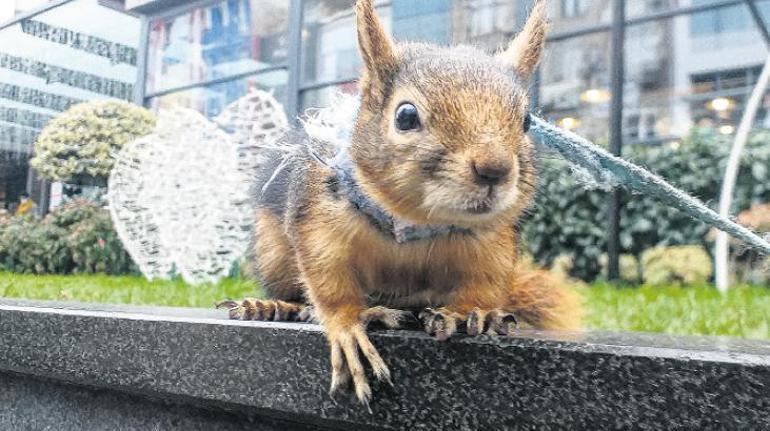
<point>348,340</point>
<point>266,310</point>
<point>441,322</point>
<point>234,309</point>
<point>491,322</point>
<point>346,363</point>
<point>505,323</point>
<point>308,315</point>
<point>389,317</point>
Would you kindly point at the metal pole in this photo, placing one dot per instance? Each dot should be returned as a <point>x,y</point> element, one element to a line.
<point>722,246</point>
<point>140,85</point>
<point>757,16</point>
<point>617,71</point>
<point>294,59</point>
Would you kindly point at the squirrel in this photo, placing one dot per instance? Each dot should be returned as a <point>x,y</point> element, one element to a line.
<point>439,141</point>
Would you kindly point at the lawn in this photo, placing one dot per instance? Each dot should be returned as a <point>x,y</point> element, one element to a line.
<point>122,290</point>
<point>699,310</point>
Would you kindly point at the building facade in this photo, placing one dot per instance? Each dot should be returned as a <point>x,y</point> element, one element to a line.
<point>687,63</point>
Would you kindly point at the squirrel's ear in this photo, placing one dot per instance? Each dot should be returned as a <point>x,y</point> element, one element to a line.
<point>524,52</point>
<point>375,46</point>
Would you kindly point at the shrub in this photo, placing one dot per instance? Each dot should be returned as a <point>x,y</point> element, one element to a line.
<point>561,266</point>
<point>569,219</point>
<point>31,246</point>
<point>757,217</point>
<point>749,265</point>
<point>677,264</point>
<point>81,142</point>
<point>73,213</point>
<point>78,237</point>
<point>630,270</point>
<point>96,247</point>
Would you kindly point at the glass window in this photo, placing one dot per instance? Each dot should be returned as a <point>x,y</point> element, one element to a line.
<point>567,15</point>
<point>638,8</point>
<point>574,84</point>
<point>329,46</point>
<point>329,43</point>
<point>644,7</point>
<point>677,78</point>
<point>488,24</point>
<point>58,58</point>
<point>321,97</point>
<point>426,20</point>
<point>573,8</point>
<point>735,19</point>
<point>764,11</point>
<point>211,100</point>
<point>229,38</point>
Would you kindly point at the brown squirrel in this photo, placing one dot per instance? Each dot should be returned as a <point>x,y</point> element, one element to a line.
<point>440,139</point>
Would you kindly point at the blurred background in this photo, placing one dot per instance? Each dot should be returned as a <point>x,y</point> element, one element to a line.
<point>670,92</point>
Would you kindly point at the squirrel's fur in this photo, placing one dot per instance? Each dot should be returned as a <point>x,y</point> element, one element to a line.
<point>314,247</point>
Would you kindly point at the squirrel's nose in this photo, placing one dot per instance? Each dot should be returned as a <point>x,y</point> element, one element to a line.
<point>490,173</point>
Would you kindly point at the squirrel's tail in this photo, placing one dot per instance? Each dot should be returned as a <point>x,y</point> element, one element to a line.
<point>545,301</point>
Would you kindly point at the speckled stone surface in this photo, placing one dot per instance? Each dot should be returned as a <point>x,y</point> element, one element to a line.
<point>534,380</point>
<point>35,404</point>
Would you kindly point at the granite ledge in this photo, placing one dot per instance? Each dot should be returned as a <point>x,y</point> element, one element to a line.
<point>279,370</point>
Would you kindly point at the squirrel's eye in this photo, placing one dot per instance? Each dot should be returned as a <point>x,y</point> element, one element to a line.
<point>407,117</point>
<point>527,122</point>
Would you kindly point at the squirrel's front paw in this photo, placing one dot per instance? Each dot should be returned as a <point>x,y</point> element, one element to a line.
<point>346,364</point>
<point>347,339</point>
<point>443,322</point>
<point>266,309</point>
<point>491,321</point>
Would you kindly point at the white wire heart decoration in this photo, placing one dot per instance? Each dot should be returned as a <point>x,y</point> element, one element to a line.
<point>180,198</point>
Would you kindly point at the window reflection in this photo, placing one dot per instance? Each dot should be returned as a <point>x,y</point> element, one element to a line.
<point>681,74</point>
<point>228,38</point>
<point>329,44</point>
<point>330,52</point>
<point>569,15</point>
<point>574,84</point>
<point>735,19</point>
<point>321,97</point>
<point>212,99</point>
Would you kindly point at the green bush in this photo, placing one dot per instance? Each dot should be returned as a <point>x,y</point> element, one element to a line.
<point>31,246</point>
<point>81,143</point>
<point>78,237</point>
<point>96,247</point>
<point>569,219</point>
<point>685,264</point>
<point>630,269</point>
<point>73,213</point>
<point>750,266</point>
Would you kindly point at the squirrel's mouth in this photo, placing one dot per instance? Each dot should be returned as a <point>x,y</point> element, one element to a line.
<point>486,204</point>
<point>448,205</point>
<point>480,208</point>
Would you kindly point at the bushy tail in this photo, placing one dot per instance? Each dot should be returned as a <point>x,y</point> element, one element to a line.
<point>545,301</point>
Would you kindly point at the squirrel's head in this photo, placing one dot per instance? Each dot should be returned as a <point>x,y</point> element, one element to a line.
<point>441,135</point>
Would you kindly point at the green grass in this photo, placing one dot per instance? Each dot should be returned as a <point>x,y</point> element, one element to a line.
<point>122,290</point>
<point>697,310</point>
